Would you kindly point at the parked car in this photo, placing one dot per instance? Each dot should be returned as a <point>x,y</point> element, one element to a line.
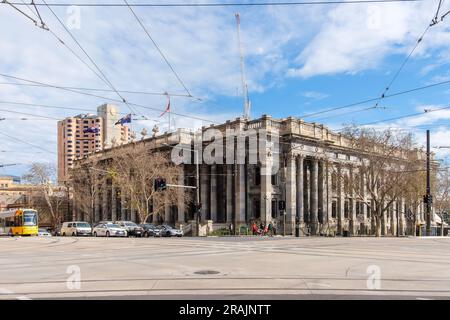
<point>133,230</point>
<point>43,233</point>
<point>168,231</point>
<point>57,231</point>
<point>76,228</point>
<point>149,229</point>
<point>109,230</point>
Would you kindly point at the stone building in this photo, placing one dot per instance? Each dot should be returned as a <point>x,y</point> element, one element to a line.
<point>305,191</point>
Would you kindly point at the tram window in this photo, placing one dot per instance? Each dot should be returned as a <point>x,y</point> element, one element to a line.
<point>29,220</point>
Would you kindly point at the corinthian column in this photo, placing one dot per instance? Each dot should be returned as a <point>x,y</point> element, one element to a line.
<point>229,195</point>
<point>314,195</point>
<point>299,191</point>
<point>113,203</point>
<point>291,193</point>
<point>213,193</point>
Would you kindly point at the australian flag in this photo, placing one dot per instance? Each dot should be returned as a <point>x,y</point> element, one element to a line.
<point>92,129</point>
<point>126,119</point>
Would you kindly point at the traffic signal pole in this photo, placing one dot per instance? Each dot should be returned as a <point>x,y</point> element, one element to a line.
<point>428,202</point>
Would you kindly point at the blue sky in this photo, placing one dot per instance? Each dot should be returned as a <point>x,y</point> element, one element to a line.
<point>299,60</point>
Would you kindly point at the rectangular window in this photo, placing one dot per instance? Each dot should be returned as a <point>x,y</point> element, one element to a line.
<point>257,176</point>
<point>274,179</point>
<point>334,209</point>
<point>274,208</point>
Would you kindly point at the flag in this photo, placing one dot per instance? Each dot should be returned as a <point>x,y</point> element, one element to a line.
<point>126,119</point>
<point>168,105</point>
<point>92,129</point>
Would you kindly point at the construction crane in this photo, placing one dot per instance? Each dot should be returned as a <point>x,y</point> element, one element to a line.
<point>244,81</point>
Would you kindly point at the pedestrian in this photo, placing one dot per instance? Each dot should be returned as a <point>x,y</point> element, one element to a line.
<point>254,228</point>
<point>266,229</point>
<point>230,229</point>
<point>270,229</point>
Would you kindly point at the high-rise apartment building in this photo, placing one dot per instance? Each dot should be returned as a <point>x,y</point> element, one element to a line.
<point>74,143</point>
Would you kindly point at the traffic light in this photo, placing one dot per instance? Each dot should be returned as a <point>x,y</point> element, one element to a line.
<point>428,199</point>
<point>281,205</point>
<point>160,184</point>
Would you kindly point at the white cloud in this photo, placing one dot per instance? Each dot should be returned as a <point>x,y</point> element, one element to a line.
<point>314,95</point>
<point>353,39</point>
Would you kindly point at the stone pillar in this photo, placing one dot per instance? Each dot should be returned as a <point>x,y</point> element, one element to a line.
<point>322,189</point>
<point>204,190</point>
<point>402,216</point>
<point>365,200</point>
<point>105,202</point>
<point>384,221</point>
<point>299,191</point>
<point>123,205</point>
<point>213,193</point>
<point>394,218</point>
<point>167,209</point>
<point>291,193</point>
<point>341,200</point>
<point>329,191</point>
<point>239,179</point>
<point>181,198</point>
<point>266,193</point>
<point>97,206</point>
<point>113,203</point>
<point>133,216</point>
<point>314,195</point>
<point>229,195</point>
<point>353,220</point>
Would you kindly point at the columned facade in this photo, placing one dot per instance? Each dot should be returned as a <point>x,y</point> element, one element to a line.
<point>311,173</point>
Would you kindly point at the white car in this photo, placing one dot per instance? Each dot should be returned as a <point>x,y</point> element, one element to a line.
<point>43,233</point>
<point>109,230</point>
<point>76,228</point>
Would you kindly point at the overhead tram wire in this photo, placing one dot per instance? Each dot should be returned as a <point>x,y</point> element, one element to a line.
<point>405,61</point>
<point>411,115</point>
<point>388,87</point>
<point>354,104</point>
<point>45,27</point>
<point>104,90</point>
<point>107,98</point>
<point>230,4</point>
<point>91,60</point>
<point>157,48</point>
<point>26,142</point>
<point>29,114</point>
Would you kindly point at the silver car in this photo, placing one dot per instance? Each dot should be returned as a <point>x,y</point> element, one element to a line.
<point>133,230</point>
<point>168,231</point>
<point>109,230</point>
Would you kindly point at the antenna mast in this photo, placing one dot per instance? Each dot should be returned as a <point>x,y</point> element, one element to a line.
<point>244,82</point>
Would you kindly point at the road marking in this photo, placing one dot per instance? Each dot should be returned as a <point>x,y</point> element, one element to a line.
<point>423,299</point>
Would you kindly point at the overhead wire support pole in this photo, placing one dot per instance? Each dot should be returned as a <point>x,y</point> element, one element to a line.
<point>428,195</point>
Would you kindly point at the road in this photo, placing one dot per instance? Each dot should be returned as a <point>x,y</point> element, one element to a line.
<point>224,268</point>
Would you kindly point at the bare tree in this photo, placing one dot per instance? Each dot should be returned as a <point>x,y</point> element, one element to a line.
<point>135,168</point>
<point>42,175</point>
<point>442,195</point>
<point>88,181</point>
<point>388,163</point>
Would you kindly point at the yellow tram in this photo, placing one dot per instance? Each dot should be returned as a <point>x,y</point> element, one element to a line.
<point>19,222</point>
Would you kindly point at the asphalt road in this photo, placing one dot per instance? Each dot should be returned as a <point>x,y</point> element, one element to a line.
<point>225,268</point>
